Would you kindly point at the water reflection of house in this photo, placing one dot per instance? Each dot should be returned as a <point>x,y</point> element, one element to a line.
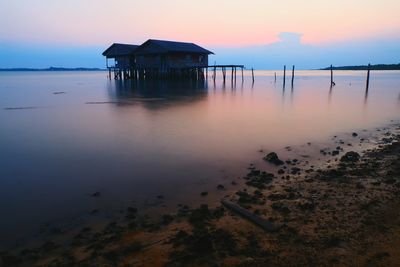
<point>156,93</point>
<point>157,59</point>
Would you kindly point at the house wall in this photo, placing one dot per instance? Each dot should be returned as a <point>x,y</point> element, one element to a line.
<point>123,62</point>
<point>182,60</point>
<point>148,61</point>
<point>171,60</point>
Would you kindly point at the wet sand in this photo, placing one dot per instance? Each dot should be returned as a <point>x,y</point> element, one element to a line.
<point>336,204</point>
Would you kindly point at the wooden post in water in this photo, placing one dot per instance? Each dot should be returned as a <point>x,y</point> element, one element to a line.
<point>368,70</point>
<point>292,75</point>
<point>242,74</point>
<point>332,82</point>
<point>284,75</point>
<point>275,77</point>
<point>252,74</point>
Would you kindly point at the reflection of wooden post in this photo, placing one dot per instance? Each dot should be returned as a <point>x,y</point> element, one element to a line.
<point>292,75</point>
<point>368,70</point>
<point>284,75</point>
<point>215,72</point>
<point>252,74</point>
<point>332,82</point>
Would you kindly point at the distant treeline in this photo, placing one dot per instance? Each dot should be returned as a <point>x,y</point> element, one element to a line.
<point>365,67</point>
<point>50,69</point>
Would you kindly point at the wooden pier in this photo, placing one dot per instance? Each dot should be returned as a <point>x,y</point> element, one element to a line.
<point>195,73</point>
<point>223,71</point>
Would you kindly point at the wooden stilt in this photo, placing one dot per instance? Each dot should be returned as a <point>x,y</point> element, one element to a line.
<point>275,77</point>
<point>284,75</point>
<point>252,74</point>
<point>368,70</point>
<point>332,82</point>
<point>292,75</point>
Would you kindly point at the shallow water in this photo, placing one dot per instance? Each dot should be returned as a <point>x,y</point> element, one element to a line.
<point>66,135</point>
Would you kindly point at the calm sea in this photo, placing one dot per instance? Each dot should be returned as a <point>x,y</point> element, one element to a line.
<point>67,135</point>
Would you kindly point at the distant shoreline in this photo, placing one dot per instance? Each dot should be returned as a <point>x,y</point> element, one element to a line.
<point>355,67</point>
<point>365,67</point>
<point>51,69</point>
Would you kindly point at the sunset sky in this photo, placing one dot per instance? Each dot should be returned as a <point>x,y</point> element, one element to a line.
<point>40,33</point>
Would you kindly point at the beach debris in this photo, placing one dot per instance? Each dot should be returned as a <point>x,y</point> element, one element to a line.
<point>59,93</point>
<point>201,216</point>
<point>258,179</point>
<point>245,198</point>
<point>295,170</point>
<point>220,187</point>
<point>354,134</point>
<point>276,196</point>
<point>307,205</point>
<point>202,247</point>
<point>282,208</point>
<point>350,156</point>
<point>19,108</point>
<point>281,171</point>
<point>323,151</point>
<point>335,152</point>
<point>273,158</point>
<point>261,222</point>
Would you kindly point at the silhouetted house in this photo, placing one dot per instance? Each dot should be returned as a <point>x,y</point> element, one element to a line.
<point>164,56</point>
<point>157,59</point>
<point>123,54</point>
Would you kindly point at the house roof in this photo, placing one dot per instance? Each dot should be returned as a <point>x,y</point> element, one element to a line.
<point>163,46</point>
<point>116,50</point>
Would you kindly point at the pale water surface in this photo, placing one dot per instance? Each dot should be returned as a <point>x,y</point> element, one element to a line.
<point>134,141</point>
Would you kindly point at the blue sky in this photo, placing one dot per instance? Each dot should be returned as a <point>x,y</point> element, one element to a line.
<point>288,50</point>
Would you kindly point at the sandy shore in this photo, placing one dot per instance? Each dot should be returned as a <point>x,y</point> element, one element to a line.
<point>336,206</point>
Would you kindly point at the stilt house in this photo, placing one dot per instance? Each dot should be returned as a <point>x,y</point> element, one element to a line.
<point>157,59</point>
